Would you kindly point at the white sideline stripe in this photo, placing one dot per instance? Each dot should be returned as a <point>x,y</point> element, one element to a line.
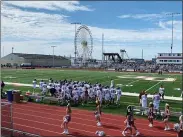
<point>124,93</point>
<point>81,123</point>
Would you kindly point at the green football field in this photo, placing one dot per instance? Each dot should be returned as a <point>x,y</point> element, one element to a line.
<point>128,81</point>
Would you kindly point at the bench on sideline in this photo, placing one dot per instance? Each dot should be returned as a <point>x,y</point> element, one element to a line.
<point>44,98</point>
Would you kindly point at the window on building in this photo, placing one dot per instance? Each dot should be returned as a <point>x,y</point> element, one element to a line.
<point>178,60</point>
<point>165,60</point>
<point>173,54</point>
<point>169,60</point>
<point>174,60</point>
<point>178,55</point>
<point>160,54</point>
<point>169,54</point>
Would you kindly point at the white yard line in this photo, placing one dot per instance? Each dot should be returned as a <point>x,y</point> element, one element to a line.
<point>156,84</point>
<point>152,86</point>
<point>133,82</point>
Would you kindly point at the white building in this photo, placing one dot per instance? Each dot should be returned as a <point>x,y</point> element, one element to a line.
<point>169,58</point>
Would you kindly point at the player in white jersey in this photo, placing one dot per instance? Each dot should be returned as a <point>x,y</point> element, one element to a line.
<point>68,94</point>
<point>161,92</point>
<point>144,102</point>
<point>41,85</point>
<point>156,102</point>
<point>44,88</point>
<point>34,84</point>
<point>113,93</point>
<point>75,95</point>
<point>118,92</point>
<point>99,95</point>
<point>107,96</point>
<point>112,83</point>
<point>57,87</point>
<point>63,88</point>
<point>91,93</point>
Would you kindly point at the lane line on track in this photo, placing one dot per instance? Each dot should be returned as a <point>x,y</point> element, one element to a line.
<point>38,128</point>
<point>62,109</point>
<point>106,123</point>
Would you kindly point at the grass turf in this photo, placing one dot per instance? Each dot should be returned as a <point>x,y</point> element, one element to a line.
<point>137,84</point>
<point>130,84</point>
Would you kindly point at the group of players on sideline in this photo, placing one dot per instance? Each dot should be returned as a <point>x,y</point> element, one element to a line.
<point>77,91</point>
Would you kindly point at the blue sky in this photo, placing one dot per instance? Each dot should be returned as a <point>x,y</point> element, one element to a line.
<point>33,27</point>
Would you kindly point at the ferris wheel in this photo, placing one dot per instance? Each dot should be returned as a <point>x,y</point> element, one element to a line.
<point>84,43</point>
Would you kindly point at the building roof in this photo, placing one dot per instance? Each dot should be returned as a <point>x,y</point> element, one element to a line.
<point>38,56</point>
<point>110,54</point>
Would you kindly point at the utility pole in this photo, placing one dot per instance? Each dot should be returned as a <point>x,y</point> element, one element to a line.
<point>75,23</point>
<point>102,47</point>
<point>142,54</point>
<point>172,14</point>
<point>3,51</point>
<point>53,56</point>
<point>12,49</point>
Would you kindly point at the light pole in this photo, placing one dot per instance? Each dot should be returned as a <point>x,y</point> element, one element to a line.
<point>12,49</point>
<point>53,56</point>
<point>172,14</point>
<point>75,23</point>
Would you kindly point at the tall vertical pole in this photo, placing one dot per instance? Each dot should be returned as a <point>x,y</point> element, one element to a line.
<point>142,54</point>
<point>172,14</point>
<point>172,34</point>
<point>53,56</point>
<point>12,49</point>
<point>75,45</point>
<point>3,51</point>
<point>102,47</point>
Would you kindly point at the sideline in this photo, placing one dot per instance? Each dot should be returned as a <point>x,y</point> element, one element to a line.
<point>123,93</point>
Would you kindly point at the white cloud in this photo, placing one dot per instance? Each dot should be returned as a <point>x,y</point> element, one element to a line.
<point>145,16</point>
<point>51,5</point>
<point>56,30</point>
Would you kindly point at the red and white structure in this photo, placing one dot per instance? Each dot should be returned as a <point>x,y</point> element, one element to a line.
<point>169,58</point>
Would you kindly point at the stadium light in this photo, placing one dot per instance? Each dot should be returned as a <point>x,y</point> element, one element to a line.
<point>172,14</point>
<point>75,23</point>
<point>53,56</point>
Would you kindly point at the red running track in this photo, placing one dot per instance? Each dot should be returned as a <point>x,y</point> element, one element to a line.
<point>45,120</point>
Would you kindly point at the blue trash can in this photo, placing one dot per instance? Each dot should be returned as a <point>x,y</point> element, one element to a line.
<point>10,95</point>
